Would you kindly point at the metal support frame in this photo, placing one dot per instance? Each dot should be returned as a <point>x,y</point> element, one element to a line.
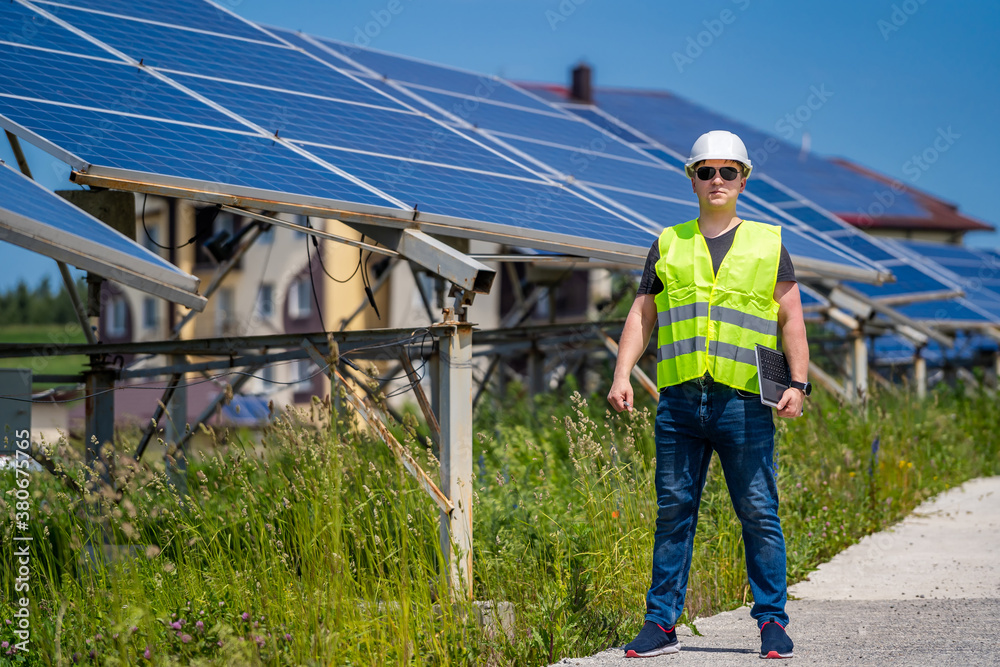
<point>827,381</point>
<point>422,400</point>
<point>857,390</point>
<point>154,421</point>
<point>637,373</point>
<point>435,256</point>
<point>455,373</point>
<point>920,375</point>
<point>175,431</point>
<point>370,416</point>
<point>78,308</point>
<point>15,146</point>
<point>863,306</point>
<point>99,387</point>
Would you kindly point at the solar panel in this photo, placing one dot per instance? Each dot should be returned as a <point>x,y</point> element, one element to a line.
<point>36,219</point>
<point>549,209</point>
<point>675,122</point>
<point>194,153</point>
<point>267,121</point>
<point>439,77</point>
<point>194,52</point>
<point>323,121</point>
<point>27,28</point>
<point>573,151</point>
<point>198,15</point>
<point>103,84</point>
<point>975,270</point>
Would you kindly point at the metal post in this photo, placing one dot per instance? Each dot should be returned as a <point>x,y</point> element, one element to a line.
<point>859,371</point>
<point>78,308</point>
<point>920,375</point>
<point>455,374</point>
<point>99,385</point>
<point>536,371</point>
<point>174,433</point>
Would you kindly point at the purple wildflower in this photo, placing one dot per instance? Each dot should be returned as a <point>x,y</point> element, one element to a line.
<point>147,654</point>
<point>245,616</point>
<point>185,638</point>
<point>200,625</point>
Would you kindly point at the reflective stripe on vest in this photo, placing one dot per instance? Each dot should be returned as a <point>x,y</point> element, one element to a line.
<point>710,323</point>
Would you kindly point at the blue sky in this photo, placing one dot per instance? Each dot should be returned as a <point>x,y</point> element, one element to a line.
<point>898,72</point>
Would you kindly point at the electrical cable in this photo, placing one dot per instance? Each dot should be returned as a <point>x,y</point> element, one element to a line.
<point>319,256</point>
<point>153,241</point>
<point>312,280</point>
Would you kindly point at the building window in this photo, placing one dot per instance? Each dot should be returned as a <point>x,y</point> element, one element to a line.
<point>302,373</point>
<point>150,313</point>
<point>225,314</point>
<point>118,315</point>
<point>265,302</point>
<point>300,298</point>
<point>266,376</point>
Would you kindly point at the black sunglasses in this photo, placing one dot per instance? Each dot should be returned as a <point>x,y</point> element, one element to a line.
<point>727,173</point>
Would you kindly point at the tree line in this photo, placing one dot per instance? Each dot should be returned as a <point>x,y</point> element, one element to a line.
<point>41,305</point>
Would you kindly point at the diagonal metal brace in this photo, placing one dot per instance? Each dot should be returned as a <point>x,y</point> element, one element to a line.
<point>363,408</point>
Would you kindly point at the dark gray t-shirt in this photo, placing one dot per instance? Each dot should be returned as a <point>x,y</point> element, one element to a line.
<point>718,247</point>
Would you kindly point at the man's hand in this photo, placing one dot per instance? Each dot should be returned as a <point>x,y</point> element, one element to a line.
<point>790,404</point>
<point>620,395</point>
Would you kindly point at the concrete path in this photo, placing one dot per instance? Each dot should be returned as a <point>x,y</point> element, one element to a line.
<point>926,591</point>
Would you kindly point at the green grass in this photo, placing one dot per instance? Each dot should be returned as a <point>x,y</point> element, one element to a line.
<point>52,336</point>
<point>316,550</point>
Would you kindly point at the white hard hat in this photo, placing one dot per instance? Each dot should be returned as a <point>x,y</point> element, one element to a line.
<point>718,145</point>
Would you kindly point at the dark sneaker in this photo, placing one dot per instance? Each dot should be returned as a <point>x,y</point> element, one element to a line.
<point>653,640</point>
<point>774,641</point>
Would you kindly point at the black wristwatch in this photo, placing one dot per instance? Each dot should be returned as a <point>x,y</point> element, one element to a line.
<point>805,387</point>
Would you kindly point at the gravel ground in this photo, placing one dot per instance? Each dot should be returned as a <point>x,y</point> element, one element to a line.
<point>926,591</point>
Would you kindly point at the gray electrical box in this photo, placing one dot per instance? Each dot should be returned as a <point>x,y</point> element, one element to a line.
<point>15,415</point>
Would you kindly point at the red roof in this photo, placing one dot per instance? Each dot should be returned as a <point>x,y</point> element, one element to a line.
<point>941,215</point>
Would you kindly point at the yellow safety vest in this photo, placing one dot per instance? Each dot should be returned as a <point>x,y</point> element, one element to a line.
<point>712,323</point>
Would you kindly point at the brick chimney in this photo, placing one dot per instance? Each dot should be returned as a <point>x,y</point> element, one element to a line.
<point>581,88</point>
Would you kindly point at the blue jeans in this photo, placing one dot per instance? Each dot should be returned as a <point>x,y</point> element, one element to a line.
<point>693,419</point>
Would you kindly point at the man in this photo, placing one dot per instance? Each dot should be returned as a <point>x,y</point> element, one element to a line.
<point>717,286</point>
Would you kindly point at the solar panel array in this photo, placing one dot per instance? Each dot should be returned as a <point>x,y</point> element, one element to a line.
<point>554,141</point>
<point>211,102</point>
<point>34,218</point>
<point>187,93</point>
